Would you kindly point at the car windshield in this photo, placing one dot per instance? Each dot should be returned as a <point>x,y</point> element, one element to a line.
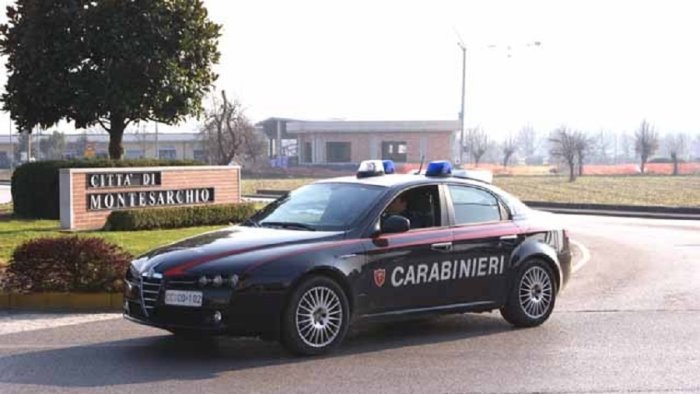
<point>320,206</point>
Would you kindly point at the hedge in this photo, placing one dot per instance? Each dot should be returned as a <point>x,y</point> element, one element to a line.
<point>35,189</point>
<point>156,218</point>
<point>72,263</point>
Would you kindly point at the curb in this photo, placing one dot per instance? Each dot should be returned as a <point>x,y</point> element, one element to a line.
<point>629,214</point>
<point>83,302</point>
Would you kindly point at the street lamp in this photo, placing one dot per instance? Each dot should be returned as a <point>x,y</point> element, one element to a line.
<point>463,48</point>
<point>461,112</point>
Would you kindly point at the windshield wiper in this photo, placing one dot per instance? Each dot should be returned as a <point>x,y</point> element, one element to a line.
<point>250,222</point>
<point>296,225</point>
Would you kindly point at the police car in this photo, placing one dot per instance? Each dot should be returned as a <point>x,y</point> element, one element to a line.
<point>375,246</point>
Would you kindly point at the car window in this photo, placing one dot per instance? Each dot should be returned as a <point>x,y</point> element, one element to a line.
<point>420,205</point>
<point>322,206</point>
<point>472,205</point>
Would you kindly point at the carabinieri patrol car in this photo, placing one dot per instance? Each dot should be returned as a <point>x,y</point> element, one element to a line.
<point>375,246</point>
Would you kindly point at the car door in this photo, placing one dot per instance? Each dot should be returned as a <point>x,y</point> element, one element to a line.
<point>484,238</point>
<point>396,276</point>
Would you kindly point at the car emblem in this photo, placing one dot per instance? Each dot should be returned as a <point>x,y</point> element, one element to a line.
<point>379,276</point>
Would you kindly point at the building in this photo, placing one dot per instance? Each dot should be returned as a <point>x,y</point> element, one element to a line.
<point>332,143</point>
<point>136,146</point>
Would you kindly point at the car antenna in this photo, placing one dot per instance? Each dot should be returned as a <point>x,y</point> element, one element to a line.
<point>422,159</point>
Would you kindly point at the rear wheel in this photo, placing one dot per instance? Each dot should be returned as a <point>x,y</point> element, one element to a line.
<point>531,300</point>
<point>316,317</point>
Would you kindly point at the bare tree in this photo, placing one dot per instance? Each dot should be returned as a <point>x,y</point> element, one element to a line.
<point>564,147</point>
<point>225,129</point>
<point>604,147</point>
<point>675,145</point>
<point>254,145</point>
<point>583,146</point>
<point>527,140</point>
<point>646,142</point>
<point>509,147</point>
<point>478,143</point>
<point>53,147</point>
<point>626,143</point>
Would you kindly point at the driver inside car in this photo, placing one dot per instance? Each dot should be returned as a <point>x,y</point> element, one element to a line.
<point>400,207</point>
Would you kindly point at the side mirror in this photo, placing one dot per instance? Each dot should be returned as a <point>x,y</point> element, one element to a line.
<point>395,224</point>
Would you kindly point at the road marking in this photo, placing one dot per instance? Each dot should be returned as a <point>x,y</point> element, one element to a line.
<point>584,259</point>
<point>11,323</point>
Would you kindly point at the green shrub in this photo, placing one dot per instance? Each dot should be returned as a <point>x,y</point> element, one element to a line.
<point>35,189</point>
<point>205,215</point>
<point>72,263</point>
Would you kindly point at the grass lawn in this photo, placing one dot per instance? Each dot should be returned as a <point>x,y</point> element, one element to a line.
<point>15,231</point>
<point>680,191</point>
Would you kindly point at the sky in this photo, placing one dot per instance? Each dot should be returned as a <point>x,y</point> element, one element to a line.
<point>600,65</point>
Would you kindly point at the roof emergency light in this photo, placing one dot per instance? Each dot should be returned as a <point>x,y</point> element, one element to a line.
<point>389,167</point>
<point>439,168</point>
<point>370,168</point>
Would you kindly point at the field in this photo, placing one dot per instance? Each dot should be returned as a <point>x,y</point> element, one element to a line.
<point>680,191</point>
<point>15,231</point>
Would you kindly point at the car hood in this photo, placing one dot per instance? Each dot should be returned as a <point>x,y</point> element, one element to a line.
<point>236,247</point>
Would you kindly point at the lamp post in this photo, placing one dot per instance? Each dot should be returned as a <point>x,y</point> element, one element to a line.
<point>463,48</point>
<point>461,112</point>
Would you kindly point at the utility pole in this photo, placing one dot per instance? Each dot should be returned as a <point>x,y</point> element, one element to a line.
<point>461,112</point>
<point>157,147</point>
<point>38,143</point>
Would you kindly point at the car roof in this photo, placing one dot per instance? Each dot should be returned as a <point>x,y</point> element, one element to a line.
<point>401,180</point>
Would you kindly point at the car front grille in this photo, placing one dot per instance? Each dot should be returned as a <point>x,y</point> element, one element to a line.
<point>150,288</point>
<point>184,283</point>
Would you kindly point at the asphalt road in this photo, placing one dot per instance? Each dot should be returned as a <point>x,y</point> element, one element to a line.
<point>5,195</point>
<point>629,321</point>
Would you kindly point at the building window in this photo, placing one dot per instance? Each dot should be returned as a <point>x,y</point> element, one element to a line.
<point>307,153</point>
<point>134,154</point>
<point>200,155</point>
<point>167,154</point>
<point>338,152</point>
<point>394,150</point>
<point>4,160</point>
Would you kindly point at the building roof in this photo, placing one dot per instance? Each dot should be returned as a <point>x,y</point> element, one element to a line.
<point>373,126</point>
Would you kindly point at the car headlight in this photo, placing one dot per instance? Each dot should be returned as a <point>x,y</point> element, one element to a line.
<point>133,271</point>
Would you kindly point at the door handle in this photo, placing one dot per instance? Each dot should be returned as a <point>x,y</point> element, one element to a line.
<point>442,246</point>
<point>511,237</point>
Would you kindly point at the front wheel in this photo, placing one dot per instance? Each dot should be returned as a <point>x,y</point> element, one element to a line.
<point>531,300</point>
<point>316,317</point>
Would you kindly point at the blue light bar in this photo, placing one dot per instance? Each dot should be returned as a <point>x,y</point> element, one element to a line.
<point>439,168</point>
<point>389,167</point>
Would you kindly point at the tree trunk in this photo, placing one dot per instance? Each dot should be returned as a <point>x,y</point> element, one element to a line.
<point>674,157</point>
<point>644,162</point>
<point>117,124</point>
<point>572,172</point>
<point>580,166</point>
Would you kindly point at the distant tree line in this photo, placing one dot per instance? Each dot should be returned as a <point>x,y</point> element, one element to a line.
<point>575,148</point>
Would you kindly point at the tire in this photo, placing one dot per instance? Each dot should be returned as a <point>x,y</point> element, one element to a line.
<point>532,297</point>
<point>316,318</point>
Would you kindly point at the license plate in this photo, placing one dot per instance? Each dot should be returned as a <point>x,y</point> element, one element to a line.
<point>183,298</point>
